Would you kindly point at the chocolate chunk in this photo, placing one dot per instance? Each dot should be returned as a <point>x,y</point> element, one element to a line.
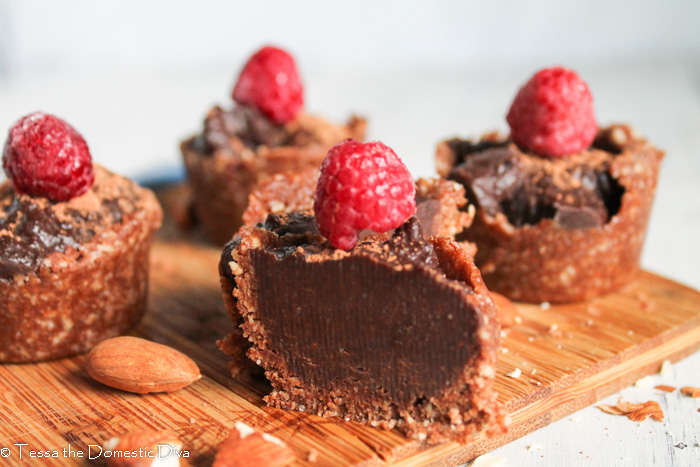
<point>428,211</point>
<point>528,188</point>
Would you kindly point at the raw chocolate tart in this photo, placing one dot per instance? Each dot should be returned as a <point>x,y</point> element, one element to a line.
<point>239,148</point>
<point>556,230</point>
<point>397,332</point>
<point>440,204</point>
<point>73,273</point>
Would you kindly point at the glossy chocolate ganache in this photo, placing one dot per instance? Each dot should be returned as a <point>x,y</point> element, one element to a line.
<point>577,192</point>
<point>33,227</point>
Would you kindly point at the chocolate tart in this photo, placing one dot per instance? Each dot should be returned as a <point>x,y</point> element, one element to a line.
<point>441,206</point>
<point>556,230</point>
<point>240,147</point>
<point>73,273</point>
<point>398,332</point>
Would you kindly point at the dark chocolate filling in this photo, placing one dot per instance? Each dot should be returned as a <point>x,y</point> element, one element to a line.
<point>242,122</point>
<point>336,319</point>
<point>497,179</point>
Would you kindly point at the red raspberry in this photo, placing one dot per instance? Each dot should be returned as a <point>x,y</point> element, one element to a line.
<point>552,115</point>
<point>270,83</point>
<point>362,186</point>
<point>45,156</point>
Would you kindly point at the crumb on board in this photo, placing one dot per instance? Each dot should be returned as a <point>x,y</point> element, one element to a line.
<point>644,382</point>
<point>665,388</point>
<point>635,412</point>
<point>312,455</point>
<point>690,391</point>
<point>515,373</point>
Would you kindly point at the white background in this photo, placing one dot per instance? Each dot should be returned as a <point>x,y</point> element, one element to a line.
<point>135,77</point>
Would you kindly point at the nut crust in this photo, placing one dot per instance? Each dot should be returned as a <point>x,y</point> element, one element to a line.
<point>79,298</point>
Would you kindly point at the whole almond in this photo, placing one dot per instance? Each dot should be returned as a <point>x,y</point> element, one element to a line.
<point>140,366</point>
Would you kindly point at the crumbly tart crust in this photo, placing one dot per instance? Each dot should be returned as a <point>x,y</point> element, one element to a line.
<point>335,341</point>
<point>586,242</point>
<point>240,148</point>
<point>441,205</point>
<point>90,284</point>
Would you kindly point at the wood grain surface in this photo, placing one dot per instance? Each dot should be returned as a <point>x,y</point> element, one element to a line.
<point>569,356</point>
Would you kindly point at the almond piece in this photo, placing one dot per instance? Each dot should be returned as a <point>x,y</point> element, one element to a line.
<point>246,446</point>
<point>144,449</point>
<point>635,412</point>
<point>665,388</point>
<point>507,312</point>
<point>690,391</point>
<point>140,366</point>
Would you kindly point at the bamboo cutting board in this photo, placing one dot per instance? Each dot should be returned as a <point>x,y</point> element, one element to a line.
<point>569,356</point>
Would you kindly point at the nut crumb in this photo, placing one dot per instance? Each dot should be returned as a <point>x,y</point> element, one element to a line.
<point>535,447</point>
<point>644,382</point>
<point>635,412</point>
<point>515,373</point>
<point>666,368</point>
<point>665,388</point>
<point>555,331</point>
<point>312,455</point>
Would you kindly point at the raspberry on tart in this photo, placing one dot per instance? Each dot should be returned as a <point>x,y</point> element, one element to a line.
<point>441,205</point>
<point>270,83</point>
<point>266,132</point>
<point>562,205</point>
<point>552,114</point>
<point>74,234</point>
<point>45,156</point>
<point>393,330</point>
<point>362,186</point>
